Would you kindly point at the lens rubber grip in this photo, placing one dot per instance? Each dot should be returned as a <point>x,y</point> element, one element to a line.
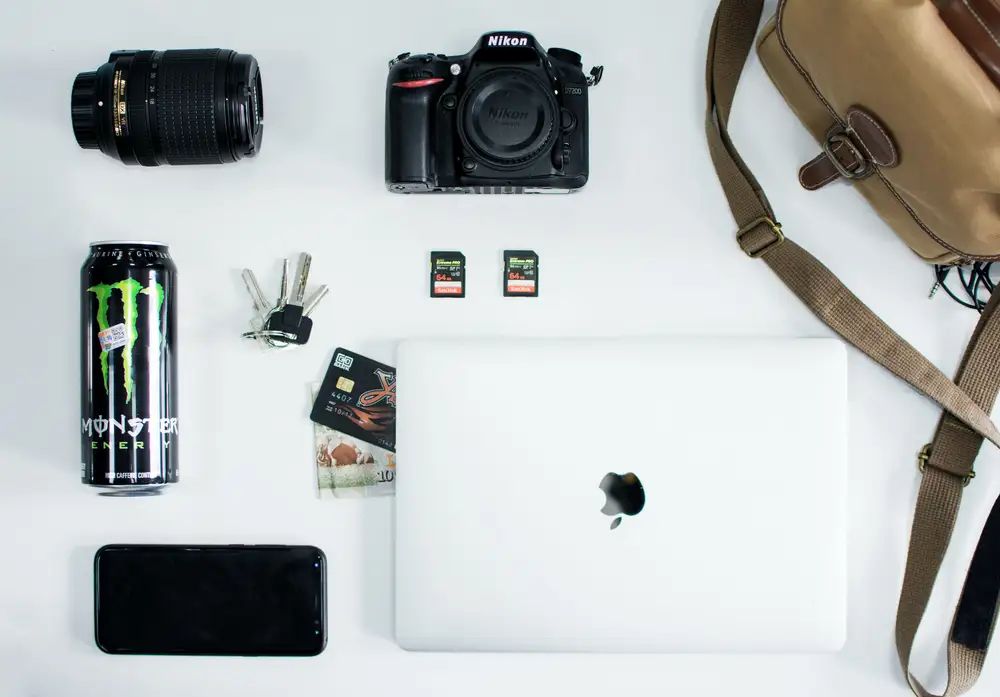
<point>186,109</point>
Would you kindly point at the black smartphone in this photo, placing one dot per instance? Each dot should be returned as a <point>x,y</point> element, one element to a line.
<point>210,601</point>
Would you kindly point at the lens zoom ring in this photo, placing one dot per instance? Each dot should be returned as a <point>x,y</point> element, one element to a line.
<point>185,102</point>
<point>142,141</point>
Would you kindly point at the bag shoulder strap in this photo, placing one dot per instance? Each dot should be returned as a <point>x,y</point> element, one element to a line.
<point>948,461</point>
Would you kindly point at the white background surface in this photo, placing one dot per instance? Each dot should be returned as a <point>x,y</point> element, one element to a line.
<point>646,249</point>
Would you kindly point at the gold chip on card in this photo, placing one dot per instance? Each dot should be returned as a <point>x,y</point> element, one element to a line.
<point>345,384</point>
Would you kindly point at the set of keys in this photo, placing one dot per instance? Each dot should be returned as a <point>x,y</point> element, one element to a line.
<point>288,322</point>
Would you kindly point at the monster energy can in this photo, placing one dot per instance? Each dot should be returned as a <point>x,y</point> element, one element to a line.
<point>129,368</point>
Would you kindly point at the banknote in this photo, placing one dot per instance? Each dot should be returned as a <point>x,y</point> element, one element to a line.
<point>347,467</point>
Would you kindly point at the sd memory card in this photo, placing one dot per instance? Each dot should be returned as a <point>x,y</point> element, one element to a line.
<point>520,274</point>
<point>447,275</point>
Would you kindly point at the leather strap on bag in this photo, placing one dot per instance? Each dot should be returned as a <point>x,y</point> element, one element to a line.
<point>948,461</point>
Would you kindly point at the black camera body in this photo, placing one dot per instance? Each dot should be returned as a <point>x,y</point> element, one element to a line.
<point>507,117</point>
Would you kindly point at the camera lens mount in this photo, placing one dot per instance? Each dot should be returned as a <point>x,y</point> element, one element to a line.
<point>507,118</point>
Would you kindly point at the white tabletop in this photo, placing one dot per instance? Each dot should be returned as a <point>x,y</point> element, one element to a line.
<point>646,249</point>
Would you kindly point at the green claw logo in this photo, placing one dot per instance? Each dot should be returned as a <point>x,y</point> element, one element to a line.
<point>130,290</point>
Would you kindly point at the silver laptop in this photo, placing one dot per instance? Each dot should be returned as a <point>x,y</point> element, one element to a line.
<point>621,496</point>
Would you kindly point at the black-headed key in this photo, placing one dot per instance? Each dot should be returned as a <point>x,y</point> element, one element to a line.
<point>292,317</point>
<point>285,321</point>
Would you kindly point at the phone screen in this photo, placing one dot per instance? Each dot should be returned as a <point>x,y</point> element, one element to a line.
<point>242,601</point>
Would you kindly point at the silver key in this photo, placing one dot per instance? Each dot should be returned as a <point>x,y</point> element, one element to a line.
<point>283,293</point>
<point>253,288</point>
<point>302,278</point>
<point>290,302</point>
<point>259,323</point>
<point>315,300</point>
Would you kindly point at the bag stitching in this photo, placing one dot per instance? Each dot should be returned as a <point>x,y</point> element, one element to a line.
<point>780,30</point>
<point>855,137</point>
<point>895,156</point>
<point>816,161</point>
<point>851,131</point>
<point>820,185</point>
<point>981,21</point>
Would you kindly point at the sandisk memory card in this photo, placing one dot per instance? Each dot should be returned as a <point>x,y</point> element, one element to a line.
<point>520,274</point>
<point>447,275</point>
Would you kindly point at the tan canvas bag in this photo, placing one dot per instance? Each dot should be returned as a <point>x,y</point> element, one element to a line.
<point>903,99</point>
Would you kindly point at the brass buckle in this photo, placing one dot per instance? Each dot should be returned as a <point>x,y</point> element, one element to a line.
<point>860,171</point>
<point>924,457</point>
<point>779,236</point>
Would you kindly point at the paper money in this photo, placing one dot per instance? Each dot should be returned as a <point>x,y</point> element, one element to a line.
<point>350,468</point>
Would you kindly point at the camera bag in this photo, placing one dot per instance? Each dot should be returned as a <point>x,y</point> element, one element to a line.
<point>903,98</point>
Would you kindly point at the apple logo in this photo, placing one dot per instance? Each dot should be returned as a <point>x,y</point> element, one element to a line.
<point>625,496</point>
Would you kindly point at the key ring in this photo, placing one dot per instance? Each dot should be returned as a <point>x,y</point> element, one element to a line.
<point>288,323</point>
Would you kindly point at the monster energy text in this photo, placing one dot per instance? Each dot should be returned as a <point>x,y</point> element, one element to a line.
<point>129,424</point>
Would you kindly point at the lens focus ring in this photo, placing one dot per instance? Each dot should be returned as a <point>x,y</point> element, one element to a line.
<point>185,104</point>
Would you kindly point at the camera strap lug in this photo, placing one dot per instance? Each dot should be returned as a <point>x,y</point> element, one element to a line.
<point>596,74</point>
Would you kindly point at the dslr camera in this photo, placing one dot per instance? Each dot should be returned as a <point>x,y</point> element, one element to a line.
<point>507,117</point>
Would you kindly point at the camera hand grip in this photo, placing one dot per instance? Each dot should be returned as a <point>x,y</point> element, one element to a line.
<point>410,134</point>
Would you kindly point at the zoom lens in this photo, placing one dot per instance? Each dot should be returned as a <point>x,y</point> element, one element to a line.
<point>198,107</point>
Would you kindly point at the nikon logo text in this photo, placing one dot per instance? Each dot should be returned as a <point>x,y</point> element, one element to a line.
<point>499,40</point>
<point>507,115</point>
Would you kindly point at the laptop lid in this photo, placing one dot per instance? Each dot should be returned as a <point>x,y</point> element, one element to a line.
<point>621,496</point>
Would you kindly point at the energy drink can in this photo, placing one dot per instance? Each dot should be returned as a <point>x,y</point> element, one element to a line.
<point>129,368</point>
